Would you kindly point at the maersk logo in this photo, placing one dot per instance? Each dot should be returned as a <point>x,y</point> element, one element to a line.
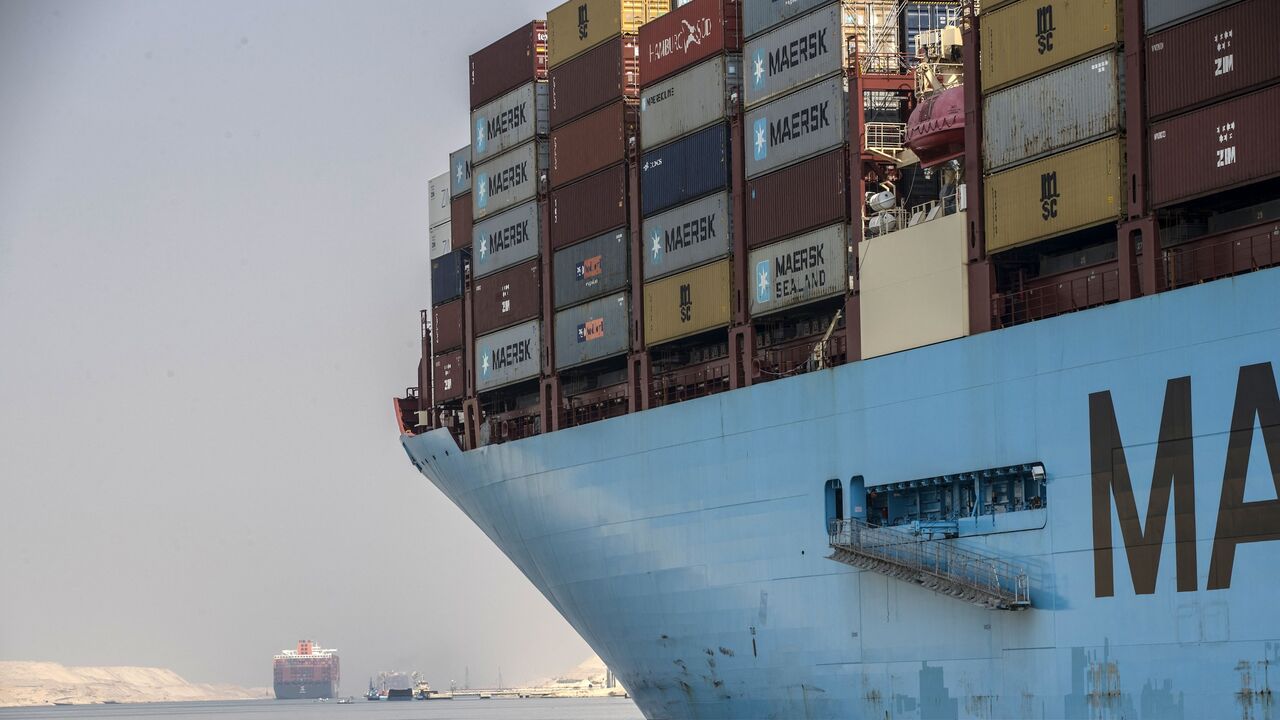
<point>482,190</point>
<point>592,329</point>
<point>507,180</point>
<point>463,171</point>
<point>764,288</point>
<point>800,271</point>
<point>505,356</point>
<point>506,238</point>
<point>761,129</point>
<point>507,121</point>
<point>798,124</point>
<point>656,239</point>
<point>788,56</point>
<point>482,139</point>
<point>485,367</point>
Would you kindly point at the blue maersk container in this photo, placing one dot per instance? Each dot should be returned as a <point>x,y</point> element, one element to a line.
<point>684,169</point>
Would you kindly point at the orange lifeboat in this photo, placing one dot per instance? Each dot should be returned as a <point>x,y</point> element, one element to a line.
<point>935,130</point>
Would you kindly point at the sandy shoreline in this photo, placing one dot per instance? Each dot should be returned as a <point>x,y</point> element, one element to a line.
<point>25,684</point>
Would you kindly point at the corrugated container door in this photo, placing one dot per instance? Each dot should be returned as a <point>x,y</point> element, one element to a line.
<point>447,273</point>
<point>687,235</point>
<point>579,25</point>
<point>509,356</point>
<point>446,326</point>
<point>689,101</point>
<point>797,53</point>
<point>1028,37</point>
<point>1062,193</point>
<point>508,121</point>
<point>592,142</point>
<point>507,297</point>
<point>460,225</point>
<point>800,125</point>
<point>801,197</point>
<point>448,380</point>
<point>441,237</point>
<point>508,63</point>
<point>590,269</point>
<point>505,239</point>
<point>594,331</point>
<point>761,15</point>
<point>508,180</point>
<point>688,303</point>
<point>801,270</point>
<point>1161,13</point>
<point>688,35</point>
<point>593,80</point>
<point>589,207</point>
<point>682,170</point>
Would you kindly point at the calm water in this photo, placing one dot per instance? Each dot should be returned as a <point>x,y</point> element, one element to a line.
<point>496,709</point>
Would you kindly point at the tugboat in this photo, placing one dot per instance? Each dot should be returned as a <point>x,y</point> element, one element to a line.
<point>373,692</point>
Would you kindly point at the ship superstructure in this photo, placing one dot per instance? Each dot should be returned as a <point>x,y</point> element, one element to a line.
<point>309,671</point>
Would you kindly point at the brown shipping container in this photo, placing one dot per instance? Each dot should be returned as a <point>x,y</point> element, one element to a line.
<point>591,143</point>
<point>801,197</point>
<point>688,35</point>
<point>446,326</point>
<point>507,297</point>
<point>589,207</point>
<point>599,77</point>
<point>1028,37</point>
<point>460,229</point>
<point>509,63</point>
<point>448,381</point>
<point>1215,148</point>
<point>577,26</point>
<point>1212,57</point>
<point>688,303</point>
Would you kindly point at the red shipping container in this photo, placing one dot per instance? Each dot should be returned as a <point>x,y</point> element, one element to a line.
<point>507,297</point>
<point>688,35</point>
<point>1212,57</point>
<point>448,380</point>
<point>1215,148</point>
<point>592,142</point>
<point>509,63</point>
<point>593,80</point>
<point>460,221</point>
<point>798,198</point>
<point>446,326</point>
<point>589,207</point>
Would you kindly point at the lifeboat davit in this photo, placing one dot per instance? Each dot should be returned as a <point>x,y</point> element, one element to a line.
<point>935,130</point>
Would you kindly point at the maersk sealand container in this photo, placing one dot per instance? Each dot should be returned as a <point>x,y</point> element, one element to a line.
<point>690,167</point>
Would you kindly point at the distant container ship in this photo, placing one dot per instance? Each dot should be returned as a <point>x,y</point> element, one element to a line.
<point>308,672</point>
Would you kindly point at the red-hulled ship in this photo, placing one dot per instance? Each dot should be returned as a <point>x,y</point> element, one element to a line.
<point>308,672</point>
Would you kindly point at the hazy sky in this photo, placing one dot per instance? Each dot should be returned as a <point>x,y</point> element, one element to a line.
<point>213,249</point>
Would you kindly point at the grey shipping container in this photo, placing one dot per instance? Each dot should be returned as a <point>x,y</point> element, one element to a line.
<point>803,269</point>
<point>438,200</point>
<point>447,275</point>
<point>588,207</point>
<point>685,169</point>
<point>502,240</point>
<point>761,15</point>
<point>590,269</point>
<point>510,121</point>
<point>1160,13</point>
<point>1055,111</point>
<point>688,101</point>
<point>508,180</point>
<point>508,356</point>
<point>797,126</point>
<point>799,52</point>
<point>441,237</point>
<point>687,235</point>
<point>596,330</point>
<point>460,171</point>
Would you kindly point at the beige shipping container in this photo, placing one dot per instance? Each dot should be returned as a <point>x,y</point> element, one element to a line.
<point>579,25</point>
<point>687,303</point>
<point>1062,193</point>
<point>1029,37</point>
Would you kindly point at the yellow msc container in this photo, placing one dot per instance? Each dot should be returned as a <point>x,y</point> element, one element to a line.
<point>687,303</point>
<point>1028,37</point>
<point>579,25</point>
<point>1062,193</point>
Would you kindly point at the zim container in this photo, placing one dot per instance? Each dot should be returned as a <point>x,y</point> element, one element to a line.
<point>1028,37</point>
<point>688,303</point>
<point>687,235</point>
<point>689,101</point>
<point>1059,194</point>
<point>508,121</point>
<point>688,35</point>
<point>803,269</point>
<point>438,200</point>
<point>448,380</point>
<point>505,239</point>
<point>446,326</point>
<point>797,126</point>
<point>801,197</point>
<point>594,331</point>
<point>795,54</point>
<point>441,237</point>
<point>508,180</point>
<point>579,25</point>
<point>1215,148</point>
<point>1212,57</point>
<point>1161,13</point>
<point>460,172</point>
<point>585,270</point>
<point>506,297</point>
<point>591,142</point>
<point>761,15</point>
<point>518,58</point>
<point>684,169</point>
<point>588,207</point>
<point>461,223</point>
<point>448,272</point>
<point>593,80</point>
<point>508,356</point>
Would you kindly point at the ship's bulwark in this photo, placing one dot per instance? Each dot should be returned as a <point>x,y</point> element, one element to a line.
<point>687,544</point>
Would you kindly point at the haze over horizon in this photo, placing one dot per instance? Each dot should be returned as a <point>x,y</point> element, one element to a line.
<point>213,249</point>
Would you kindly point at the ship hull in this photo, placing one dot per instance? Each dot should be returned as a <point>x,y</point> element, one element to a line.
<point>687,544</point>
<point>305,690</point>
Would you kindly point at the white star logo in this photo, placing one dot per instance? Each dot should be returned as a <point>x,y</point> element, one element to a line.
<point>480,134</point>
<point>484,365</point>
<point>483,247</point>
<point>460,169</point>
<point>759,67</point>
<point>760,140</point>
<point>764,283</point>
<point>483,189</point>
<point>657,244</point>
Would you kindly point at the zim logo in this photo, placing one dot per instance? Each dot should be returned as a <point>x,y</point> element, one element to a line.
<point>764,289</point>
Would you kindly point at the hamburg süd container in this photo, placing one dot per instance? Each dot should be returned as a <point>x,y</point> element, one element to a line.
<point>447,275</point>
<point>1162,13</point>
<point>516,59</point>
<point>507,180</point>
<point>684,169</point>
<point>438,200</point>
<point>586,270</point>
<point>794,127</point>
<point>1213,57</point>
<point>593,331</point>
<point>508,121</point>
<point>795,54</point>
<point>805,268</point>
<point>593,80</point>
<point>591,143</point>
<point>446,326</point>
<point>460,224</point>
<point>688,35</point>
<point>1062,193</point>
<point>579,25</point>
<point>797,198</point>
<point>589,207</point>
<point>1028,37</point>
<point>460,171</point>
<point>688,303</point>
<point>1215,148</point>
<point>688,235</point>
<point>1060,109</point>
<point>502,240</point>
<point>508,356</point>
<point>448,379</point>
<point>441,237</point>
<point>689,101</point>
<point>761,15</point>
<point>506,297</point>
